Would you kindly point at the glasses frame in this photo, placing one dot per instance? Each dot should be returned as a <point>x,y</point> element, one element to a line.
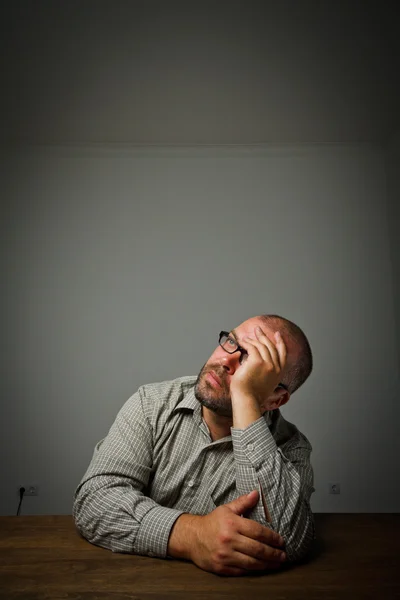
<point>241,350</point>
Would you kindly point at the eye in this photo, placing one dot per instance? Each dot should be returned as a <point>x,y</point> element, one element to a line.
<point>231,342</point>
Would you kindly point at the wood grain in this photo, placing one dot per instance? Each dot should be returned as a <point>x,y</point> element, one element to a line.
<point>45,558</point>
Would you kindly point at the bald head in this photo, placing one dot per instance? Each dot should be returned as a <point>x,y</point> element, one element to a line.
<point>299,362</point>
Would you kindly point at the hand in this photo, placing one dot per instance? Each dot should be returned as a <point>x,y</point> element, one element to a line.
<point>260,374</point>
<point>227,544</point>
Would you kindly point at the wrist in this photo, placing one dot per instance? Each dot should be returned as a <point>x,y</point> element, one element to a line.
<point>245,409</point>
<point>182,539</point>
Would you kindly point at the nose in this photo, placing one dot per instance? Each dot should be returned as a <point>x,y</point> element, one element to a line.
<point>230,362</point>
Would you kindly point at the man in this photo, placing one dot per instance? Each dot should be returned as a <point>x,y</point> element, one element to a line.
<point>186,460</point>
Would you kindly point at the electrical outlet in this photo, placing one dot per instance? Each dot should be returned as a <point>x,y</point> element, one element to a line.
<point>30,489</point>
<point>334,488</point>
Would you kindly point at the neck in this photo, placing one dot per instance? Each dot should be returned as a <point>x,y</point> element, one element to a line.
<point>218,425</point>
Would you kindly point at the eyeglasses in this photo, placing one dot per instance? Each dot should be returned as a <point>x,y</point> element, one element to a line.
<point>230,345</point>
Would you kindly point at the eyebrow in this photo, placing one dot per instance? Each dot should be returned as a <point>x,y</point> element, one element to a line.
<point>234,334</point>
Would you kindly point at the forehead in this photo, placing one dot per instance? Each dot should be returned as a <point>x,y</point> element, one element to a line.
<point>247,328</point>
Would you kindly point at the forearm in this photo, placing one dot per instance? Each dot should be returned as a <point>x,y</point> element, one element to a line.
<point>110,514</point>
<point>288,510</point>
<point>261,465</point>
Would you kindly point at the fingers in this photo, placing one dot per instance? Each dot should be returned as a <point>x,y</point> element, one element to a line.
<point>259,533</point>
<point>281,347</point>
<point>269,352</point>
<point>261,349</point>
<point>231,571</point>
<point>231,545</point>
<point>243,503</point>
<point>240,560</point>
<point>258,350</point>
<point>277,352</point>
<point>257,551</point>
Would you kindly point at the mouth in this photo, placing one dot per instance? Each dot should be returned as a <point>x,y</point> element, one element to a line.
<point>213,379</point>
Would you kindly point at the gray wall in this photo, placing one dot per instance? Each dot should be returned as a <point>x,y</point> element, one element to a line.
<point>122,265</point>
<point>393,193</point>
<point>198,72</point>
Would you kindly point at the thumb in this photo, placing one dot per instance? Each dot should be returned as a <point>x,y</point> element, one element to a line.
<point>243,503</point>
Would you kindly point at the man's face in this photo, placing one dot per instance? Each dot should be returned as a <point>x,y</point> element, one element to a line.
<point>212,387</point>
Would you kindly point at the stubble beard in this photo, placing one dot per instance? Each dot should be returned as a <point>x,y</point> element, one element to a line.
<point>216,399</point>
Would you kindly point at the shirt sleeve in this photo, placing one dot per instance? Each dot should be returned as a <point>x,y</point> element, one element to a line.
<point>284,477</point>
<point>110,508</point>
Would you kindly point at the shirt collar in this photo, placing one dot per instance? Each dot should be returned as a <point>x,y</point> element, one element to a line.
<point>189,401</point>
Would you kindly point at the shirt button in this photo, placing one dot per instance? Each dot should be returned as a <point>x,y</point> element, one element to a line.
<point>250,447</point>
<point>191,483</point>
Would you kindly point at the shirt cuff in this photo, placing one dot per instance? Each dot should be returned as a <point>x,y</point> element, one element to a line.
<point>155,528</point>
<point>253,445</point>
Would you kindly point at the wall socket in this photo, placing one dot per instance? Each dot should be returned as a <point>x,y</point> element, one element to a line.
<point>30,489</point>
<point>334,488</point>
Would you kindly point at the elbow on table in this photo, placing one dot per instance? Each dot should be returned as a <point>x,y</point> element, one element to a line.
<point>87,519</point>
<point>298,547</point>
<point>83,523</point>
<point>104,523</point>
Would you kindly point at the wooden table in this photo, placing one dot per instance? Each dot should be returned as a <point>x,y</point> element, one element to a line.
<point>43,557</point>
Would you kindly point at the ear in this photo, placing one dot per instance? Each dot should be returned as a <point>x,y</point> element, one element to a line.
<point>282,396</point>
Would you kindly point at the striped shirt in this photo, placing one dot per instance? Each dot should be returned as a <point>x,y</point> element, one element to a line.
<point>158,461</point>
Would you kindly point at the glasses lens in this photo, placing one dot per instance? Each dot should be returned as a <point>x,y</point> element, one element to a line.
<point>228,343</point>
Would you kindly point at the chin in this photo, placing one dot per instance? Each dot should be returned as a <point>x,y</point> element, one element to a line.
<point>221,411</point>
<point>227,413</point>
<point>219,406</point>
